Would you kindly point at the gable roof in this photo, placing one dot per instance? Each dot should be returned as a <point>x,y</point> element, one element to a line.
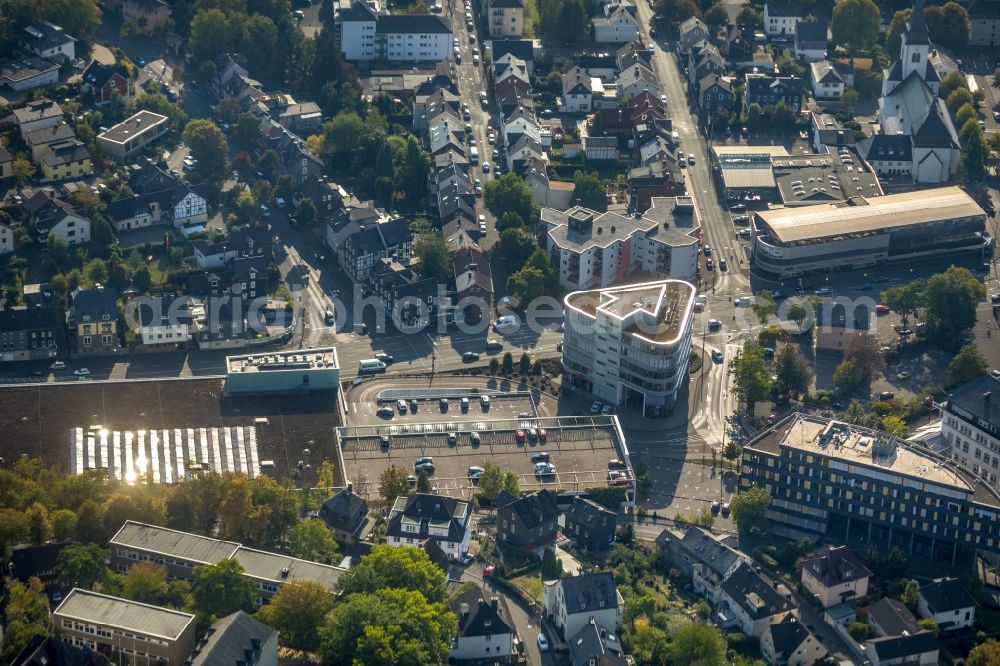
<point>833,565</point>
<point>523,49</point>
<point>587,592</point>
<point>230,638</point>
<point>343,510</point>
<point>945,595</point>
<point>95,304</point>
<point>478,616</point>
<point>534,509</point>
<point>893,617</point>
<point>811,34</point>
<point>587,511</point>
<point>97,73</point>
<point>52,651</point>
<point>709,550</point>
<point>594,644</point>
<point>359,11</point>
<point>420,510</point>
<point>783,8</point>
<point>577,82</point>
<point>887,147</point>
<point>787,635</point>
<point>897,647</point>
<point>412,24</point>
<point>969,397</point>
<point>824,72</point>
<point>749,591</point>
<point>27,560</point>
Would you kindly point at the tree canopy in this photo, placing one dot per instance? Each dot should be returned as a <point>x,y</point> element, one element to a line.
<point>509,193</point>
<point>697,644</point>
<point>951,299</point>
<point>792,370</point>
<point>968,364</point>
<point>392,483</point>
<point>311,540</point>
<point>220,589</point>
<point>297,611</point>
<point>27,615</point>
<point>431,250</point>
<point>588,191</point>
<point>855,24</point>
<point>748,508</point>
<point>864,349</point>
<point>404,567</point>
<point>209,147</point>
<point>948,25</point>
<point>751,378</point>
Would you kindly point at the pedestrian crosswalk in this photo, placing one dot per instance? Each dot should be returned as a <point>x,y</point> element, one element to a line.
<point>165,456</point>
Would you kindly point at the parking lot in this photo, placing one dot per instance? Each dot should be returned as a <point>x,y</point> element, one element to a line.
<point>578,447</point>
<point>431,414</point>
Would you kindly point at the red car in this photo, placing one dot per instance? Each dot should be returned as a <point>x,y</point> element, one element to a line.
<point>488,570</point>
<point>882,309</point>
<point>519,435</point>
<point>542,434</point>
<point>620,481</point>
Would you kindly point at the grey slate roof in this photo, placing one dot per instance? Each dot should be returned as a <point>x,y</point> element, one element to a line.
<point>165,541</point>
<point>426,508</point>
<point>787,635</point>
<point>833,565</point>
<point>93,304</point>
<point>586,511</point>
<point>893,617</point>
<point>27,319</point>
<point>897,647</point>
<point>947,594</point>
<point>411,24</point>
<point>108,611</point>
<point>752,593</point>
<point>811,34</point>
<point>52,651</point>
<point>535,509</point>
<point>229,639</point>
<point>344,510</point>
<point>589,591</point>
<point>888,148</point>
<point>715,555</point>
<point>969,396</point>
<point>783,8</point>
<point>590,646</point>
<point>478,616</point>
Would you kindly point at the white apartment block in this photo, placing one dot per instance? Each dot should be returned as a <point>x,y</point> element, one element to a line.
<point>971,424</point>
<point>630,344</point>
<point>506,19</point>
<point>595,250</point>
<point>366,35</point>
<point>780,17</point>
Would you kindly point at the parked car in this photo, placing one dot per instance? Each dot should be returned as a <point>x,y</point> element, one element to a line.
<point>82,372</point>
<point>401,406</point>
<point>470,356</point>
<point>385,412</point>
<point>426,468</point>
<point>595,408</point>
<point>615,463</point>
<point>58,365</point>
<point>385,358</point>
<point>540,457</point>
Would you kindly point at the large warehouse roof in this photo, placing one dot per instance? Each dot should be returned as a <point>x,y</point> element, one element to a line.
<point>790,225</point>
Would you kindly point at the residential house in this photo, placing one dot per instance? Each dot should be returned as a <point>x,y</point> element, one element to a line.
<point>409,299</point>
<point>250,279</point>
<point>811,40</point>
<point>65,159</point>
<point>984,18</point>
<point>836,326</point>
<point>94,319</point>
<point>146,15</point>
<point>28,333</point>
<point>889,154</point>
<point>521,122</point>
<point>522,49</point>
<point>749,603</point>
<point>594,645</point>
<point>600,148</point>
<point>220,323</point>
<point>6,238</point>
<point>47,40</point>
<point>485,629</point>
<point>529,522</point>
<point>420,516</point>
<point>230,71</point>
<point>617,24</point>
<point>505,19</point>
<point>740,45</point>
<point>657,179</point>
<point>132,134</point>
<point>590,525</point>
<point>182,552</point>
<point>368,35</point>
<point>48,214</point>
<point>787,642</point>
<point>900,639</point>
<point>175,201</point>
<point>6,170</point>
<point>835,575</point>
<point>577,90</point>
<point>704,59</point>
<point>715,94</point>
<point>426,107</point>
<point>140,632</point>
<point>236,639</point>
<point>524,148</point>
<point>767,90</point>
<point>28,73</point>
<point>570,603</point>
<point>37,115</point>
<point>780,17</point>
<point>37,140</point>
<point>163,324</point>
<point>345,513</point>
<point>361,241</point>
<point>601,66</point>
<point>473,284</point>
<point>948,603</point>
<point>691,31</point>
<point>27,561</point>
<point>971,425</point>
<point>328,197</point>
<point>244,243</point>
<point>827,83</point>
<point>51,651</point>
<point>635,81</point>
<point>510,65</point>
<point>707,559</point>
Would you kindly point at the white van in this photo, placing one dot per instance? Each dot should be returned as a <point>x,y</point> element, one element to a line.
<point>675,137</point>
<point>474,155</point>
<point>505,321</point>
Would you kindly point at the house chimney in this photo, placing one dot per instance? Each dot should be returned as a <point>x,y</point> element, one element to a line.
<point>350,487</point>
<point>495,603</point>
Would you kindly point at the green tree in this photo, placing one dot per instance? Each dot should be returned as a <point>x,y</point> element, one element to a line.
<point>311,540</point>
<point>855,24</point>
<point>906,300</point>
<point>431,250</point>
<point>972,162</point>
<point>220,589</point>
<point>101,234</point>
<point>865,350</point>
<point>965,114</point>
<point>297,612</point>
<point>677,11</point>
<point>749,507</point>
<point>911,595</point>
<point>209,36</point>
<point>589,192</point>
<point>792,370</point>
<point>491,481</point>
<point>551,566</point>
<point>951,299</point>
<point>985,654</point>
<point>524,365</point>
<point>649,644</point>
<point>893,38</point>
<point>22,169</point>
<point>392,483</point>
<point>764,306</point>
<point>515,246</point>
<point>76,17</point>
<point>967,364</point>
<point>697,644</point>
<point>716,17</point>
<point>958,98</point>
<point>82,565</point>
<point>63,525</point>
<point>411,172</point>
<point>405,567</point>
<point>509,193</point>
<point>424,482</point>
<point>209,146</point>
<point>751,378</point>
<point>343,133</point>
<point>797,312</point>
<point>526,285</point>
<point>948,25</point>
<point>146,582</point>
<point>26,614</point>
<point>860,631</point>
<point>510,220</point>
<point>847,375</point>
<point>39,527</point>
<point>142,279</point>
<point>750,18</point>
<point>386,627</point>
<point>305,212</point>
<point>894,424</point>
<point>951,82</point>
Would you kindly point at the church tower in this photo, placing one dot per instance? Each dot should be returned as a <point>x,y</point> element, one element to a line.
<point>916,44</point>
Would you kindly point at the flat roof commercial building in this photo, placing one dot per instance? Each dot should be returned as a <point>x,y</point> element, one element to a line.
<point>181,553</point>
<point>132,134</point>
<point>862,487</point>
<point>301,370</point>
<point>791,241</point>
<point>630,344</point>
<point>142,633</point>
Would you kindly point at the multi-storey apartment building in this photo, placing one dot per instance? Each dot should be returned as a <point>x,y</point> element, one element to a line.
<point>862,487</point>
<point>630,344</point>
<point>368,35</point>
<point>971,424</point>
<point>506,19</point>
<point>593,250</point>
<point>445,520</point>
